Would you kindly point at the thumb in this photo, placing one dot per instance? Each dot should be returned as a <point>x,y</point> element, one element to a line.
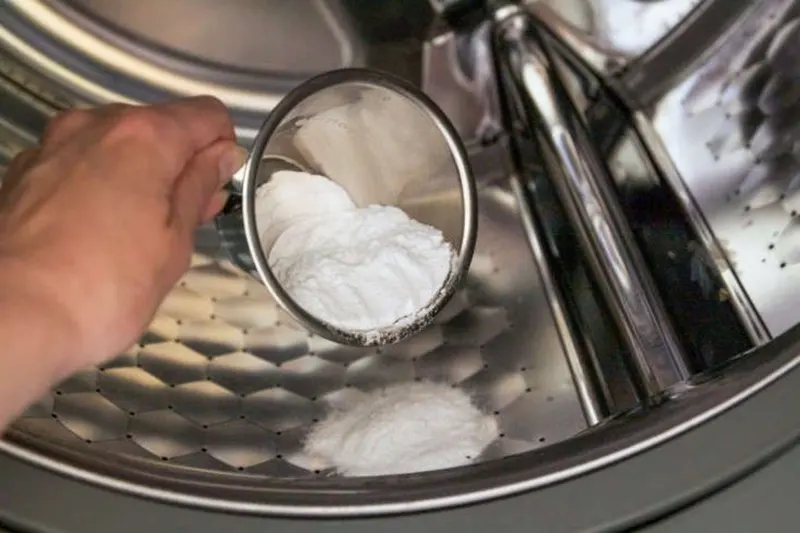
<point>205,174</point>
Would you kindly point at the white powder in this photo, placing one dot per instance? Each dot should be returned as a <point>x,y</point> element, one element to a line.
<point>412,427</point>
<point>360,269</point>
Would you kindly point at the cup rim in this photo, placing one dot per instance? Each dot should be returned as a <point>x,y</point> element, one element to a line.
<point>468,189</point>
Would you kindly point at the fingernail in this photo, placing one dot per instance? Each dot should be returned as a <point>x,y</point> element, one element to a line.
<point>232,161</point>
<point>221,196</point>
<point>215,205</point>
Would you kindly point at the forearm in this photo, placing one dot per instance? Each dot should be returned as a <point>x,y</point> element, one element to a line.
<point>36,349</point>
<point>81,276</point>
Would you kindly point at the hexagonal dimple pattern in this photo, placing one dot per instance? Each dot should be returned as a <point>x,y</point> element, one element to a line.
<point>476,326</point>
<point>418,345</point>
<point>133,389</point>
<point>163,328</point>
<point>379,370</point>
<point>165,434</point>
<point>211,337</point>
<point>90,416</point>
<point>127,358</point>
<point>204,402</point>
<point>173,362</point>
<point>225,381</point>
<point>336,353</point>
<point>246,312</point>
<point>241,444</point>
<point>450,364</point>
<point>277,344</point>
<point>278,409</point>
<point>243,373</point>
<point>84,381</point>
<point>41,408</point>
<point>183,304</point>
<point>312,376</point>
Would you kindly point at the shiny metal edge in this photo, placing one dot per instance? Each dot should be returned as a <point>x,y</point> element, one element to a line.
<point>585,190</point>
<point>469,197</point>
<point>742,304</point>
<point>587,396</point>
<point>458,74</point>
<point>121,61</point>
<point>43,15</point>
<point>787,359</point>
<point>601,59</point>
<point>645,79</point>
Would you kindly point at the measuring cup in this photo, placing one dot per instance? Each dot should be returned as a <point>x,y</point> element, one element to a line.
<point>406,154</point>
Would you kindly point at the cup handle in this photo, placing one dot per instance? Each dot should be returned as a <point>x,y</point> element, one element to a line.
<point>234,187</point>
<point>236,183</point>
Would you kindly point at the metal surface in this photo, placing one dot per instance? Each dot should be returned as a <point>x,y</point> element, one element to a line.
<point>397,149</point>
<point>224,385</point>
<point>729,129</point>
<point>595,407</point>
<point>459,74</point>
<point>690,40</point>
<point>624,27</point>
<point>694,287</point>
<point>574,24</point>
<point>612,35</point>
<point>584,187</point>
<point>224,382</point>
<point>251,34</point>
<point>677,443</point>
<point>211,408</point>
<point>106,51</point>
<point>711,259</point>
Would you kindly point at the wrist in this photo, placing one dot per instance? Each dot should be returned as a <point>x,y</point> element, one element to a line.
<point>35,323</point>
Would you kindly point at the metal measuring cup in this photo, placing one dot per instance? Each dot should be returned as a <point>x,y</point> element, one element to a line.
<point>429,178</point>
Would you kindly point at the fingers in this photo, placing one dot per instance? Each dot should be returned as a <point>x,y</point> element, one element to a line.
<point>64,126</point>
<point>23,160</point>
<point>215,205</point>
<point>67,124</point>
<point>204,119</point>
<point>191,137</point>
<point>19,165</point>
<point>173,132</point>
<point>179,128</point>
<point>194,192</point>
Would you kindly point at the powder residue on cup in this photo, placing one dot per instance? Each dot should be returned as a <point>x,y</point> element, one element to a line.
<point>402,429</point>
<point>359,269</point>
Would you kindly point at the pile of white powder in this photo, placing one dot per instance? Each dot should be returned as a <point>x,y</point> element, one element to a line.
<point>359,269</point>
<point>407,428</point>
<point>365,268</point>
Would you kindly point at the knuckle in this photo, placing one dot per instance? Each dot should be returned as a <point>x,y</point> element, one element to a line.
<point>135,124</point>
<point>65,121</point>
<point>150,132</point>
<point>213,106</point>
<point>22,156</point>
<point>211,102</point>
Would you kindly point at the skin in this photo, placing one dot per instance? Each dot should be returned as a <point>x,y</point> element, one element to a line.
<point>96,226</point>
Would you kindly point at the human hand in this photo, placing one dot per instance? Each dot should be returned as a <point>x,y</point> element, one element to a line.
<point>97,222</point>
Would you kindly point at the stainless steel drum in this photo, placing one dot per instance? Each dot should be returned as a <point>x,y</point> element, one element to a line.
<point>633,268</point>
